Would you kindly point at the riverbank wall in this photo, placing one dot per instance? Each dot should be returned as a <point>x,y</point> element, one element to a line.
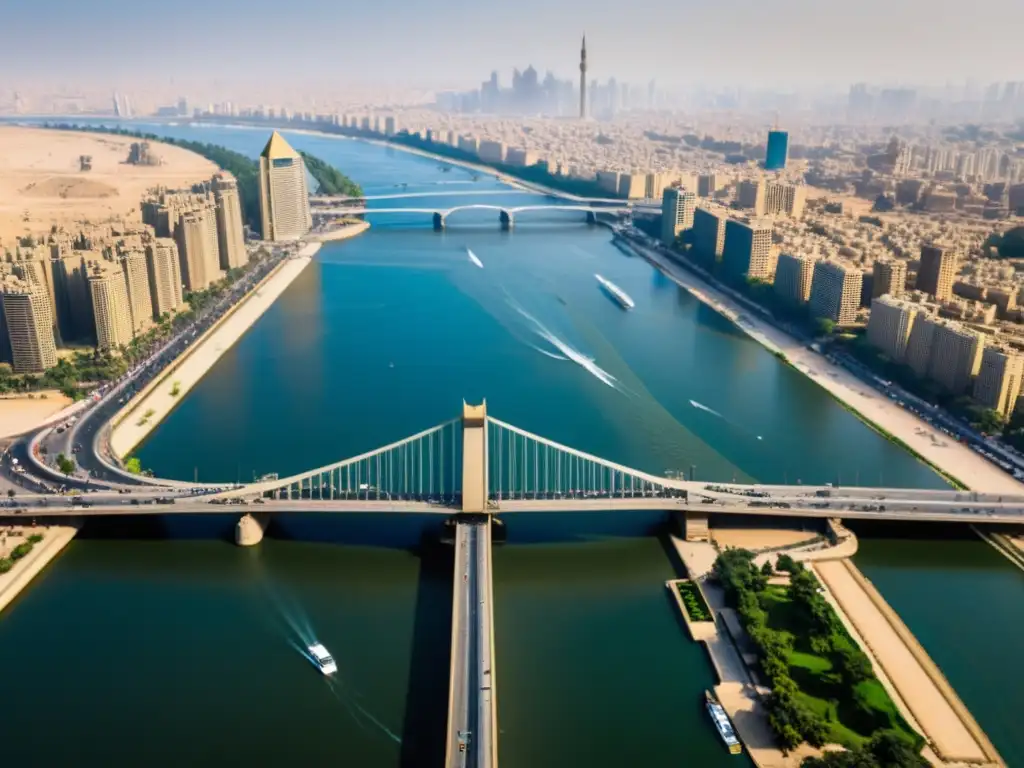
<point>339,233</point>
<point>913,679</point>
<point>156,400</point>
<point>55,538</point>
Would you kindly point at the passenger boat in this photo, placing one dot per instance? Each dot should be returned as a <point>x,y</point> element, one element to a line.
<point>322,658</point>
<point>722,723</point>
<point>620,296</point>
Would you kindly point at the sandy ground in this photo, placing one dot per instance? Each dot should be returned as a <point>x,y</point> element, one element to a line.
<point>22,413</point>
<point>41,184</point>
<point>952,457</point>
<point>760,538</point>
<point>929,707</point>
<point>135,425</point>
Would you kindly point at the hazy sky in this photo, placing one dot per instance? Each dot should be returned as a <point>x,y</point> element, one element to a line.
<point>104,43</point>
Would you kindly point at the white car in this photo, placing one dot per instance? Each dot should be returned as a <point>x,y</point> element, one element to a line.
<point>322,658</point>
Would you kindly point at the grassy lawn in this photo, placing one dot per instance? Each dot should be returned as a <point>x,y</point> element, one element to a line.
<point>694,601</point>
<point>851,720</point>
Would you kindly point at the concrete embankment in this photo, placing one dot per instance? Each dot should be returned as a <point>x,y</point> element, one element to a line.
<point>953,736</point>
<point>55,538</point>
<point>154,402</point>
<point>339,233</point>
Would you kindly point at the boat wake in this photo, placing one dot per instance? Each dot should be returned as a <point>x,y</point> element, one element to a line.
<point>713,412</point>
<point>359,713</point>
<point>567,352</point>
<point>473,258</point>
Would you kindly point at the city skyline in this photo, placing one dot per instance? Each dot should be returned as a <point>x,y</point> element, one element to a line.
<point>773,46</point>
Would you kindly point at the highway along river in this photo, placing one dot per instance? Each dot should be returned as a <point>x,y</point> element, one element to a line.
<point>164,644</point>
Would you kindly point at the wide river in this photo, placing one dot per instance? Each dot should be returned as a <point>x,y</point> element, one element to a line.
<point>161,643</point>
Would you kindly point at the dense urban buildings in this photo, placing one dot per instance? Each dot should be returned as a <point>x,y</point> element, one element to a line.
<point>284,199</point>
<point>747,250</point>
<point>29,324</point>
<point>230,232</point>
<point>835,292</point>
<point>677,213</point>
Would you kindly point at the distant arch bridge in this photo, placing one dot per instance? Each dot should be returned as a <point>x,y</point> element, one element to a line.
<point>506,214</point>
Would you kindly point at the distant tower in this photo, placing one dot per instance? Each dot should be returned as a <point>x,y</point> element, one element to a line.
<point>583,79</point>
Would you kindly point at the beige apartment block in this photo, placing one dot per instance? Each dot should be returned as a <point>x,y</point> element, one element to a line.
<point>889,278</point>
<point>677,210</point>
<point>785,199</point>
<point>230,232</point>
<point>890,325</point>
<point>27,315</point>
<point>198,250</point>
<point>751,194</point>
<point>937,271</point>
<point>164,273</point>
<point>136,282</point>
<point>709,233</point>
<point>793,276</point>
<point>835,291</point>
<point>284,198</point>
<point>747,249</point>
<point>955,354</point>
<point>110,305</point>
<point>919,344</point>
<point>999,379</point>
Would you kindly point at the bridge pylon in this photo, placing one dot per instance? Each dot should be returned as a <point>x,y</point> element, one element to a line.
<point>507,220</point>
<point>474,458</point>
<point>438,222</point>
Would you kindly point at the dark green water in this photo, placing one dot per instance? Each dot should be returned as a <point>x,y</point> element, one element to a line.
<point>182,640</point>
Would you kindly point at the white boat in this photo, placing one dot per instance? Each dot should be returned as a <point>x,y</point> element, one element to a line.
<point>323,659</point>
<point>616,293</point>
<point>474,259</point>
<point>722,723</point>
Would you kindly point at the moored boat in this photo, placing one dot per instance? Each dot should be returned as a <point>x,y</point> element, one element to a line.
<point>722,723</point>
<point>620,296</point>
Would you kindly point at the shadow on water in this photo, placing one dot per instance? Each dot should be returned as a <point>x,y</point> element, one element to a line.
<point>580,527</point>
<point>425,723</point>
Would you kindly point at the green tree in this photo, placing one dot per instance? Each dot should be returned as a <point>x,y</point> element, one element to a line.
<point>854,666</point>
<point>65,465</point>
<point>824,326</point>
<point>766,570</point>
<point>134,465</point>
<point>10,494</point>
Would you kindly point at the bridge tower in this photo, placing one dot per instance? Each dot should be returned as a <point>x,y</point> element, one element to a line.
<point>474,458</point>
<point>438,222</point>
<point>507,220</point>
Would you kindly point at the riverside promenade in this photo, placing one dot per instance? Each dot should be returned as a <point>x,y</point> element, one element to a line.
<point>152,404</point>
<point>55,538</point>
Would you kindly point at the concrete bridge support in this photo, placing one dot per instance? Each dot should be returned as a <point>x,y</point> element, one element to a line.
<point>438,222</point>
<point>591,217</point>
<point>507,221</point>
<point>695,526</point>
<point>250,528</point>
<point>474,458</point>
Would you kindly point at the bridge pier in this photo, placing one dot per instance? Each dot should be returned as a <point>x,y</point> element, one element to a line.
<point>507,220</point>
<point>250,529</point>
<point>438,222</point>
<point>695,526</point>
<point>591,217</point>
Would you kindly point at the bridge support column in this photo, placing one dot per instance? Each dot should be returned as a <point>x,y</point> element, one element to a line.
<point>250,528</point>
<point>591,217</point>
<point>695,526</point>
<point>474,458</point>
<point>438,222</point>
<point>507,221</point>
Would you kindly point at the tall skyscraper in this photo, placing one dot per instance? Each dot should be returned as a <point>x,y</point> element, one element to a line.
<point>110,305</point>
<point>677,208</point>
<point>198,251</point>
<point>284,199</point>
<point>230,237</point>
<point>793,275</point>
<point>164,276</point>
<point>890,325</point>
<point>938,268</point>
<point>709,233</point>
<point>583,79</point>
<point>27,316</point>
<point>889,278</point>
<point>751,194</point>
<point>777,151</point>
<point>136,283</point>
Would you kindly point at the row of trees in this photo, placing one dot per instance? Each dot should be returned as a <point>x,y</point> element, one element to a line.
<point>6,563</point>
<point>331,180</point>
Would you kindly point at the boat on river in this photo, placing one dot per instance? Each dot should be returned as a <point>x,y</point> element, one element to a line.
<point>620,296</point>
<point>322,659</point>
<point>722,723</point>
<point>473,258</point>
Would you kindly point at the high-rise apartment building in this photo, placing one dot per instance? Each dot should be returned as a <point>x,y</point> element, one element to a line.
<point>919,345</point>
<point>784,199</point>
<point>198,250</point>
<point>707,185</point>
<point>750,194</point>
<point>110,305</point>
<point>284,199</point>
<point>230,234</point>
<point>136,283</point>
<point>999,379</point>
<point>164,274</point>
<point>793,276</point>
<point>889,278</point>
<point>777,151</point>
<point>709,233</point>
<point>28,318</point>
<point>71,290</point>
<point>937,271</point>
<point>890,325</point>
<point>835,292</point>
<point>956,355</point>
<point>677,211</point>
<point>747,249</point>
